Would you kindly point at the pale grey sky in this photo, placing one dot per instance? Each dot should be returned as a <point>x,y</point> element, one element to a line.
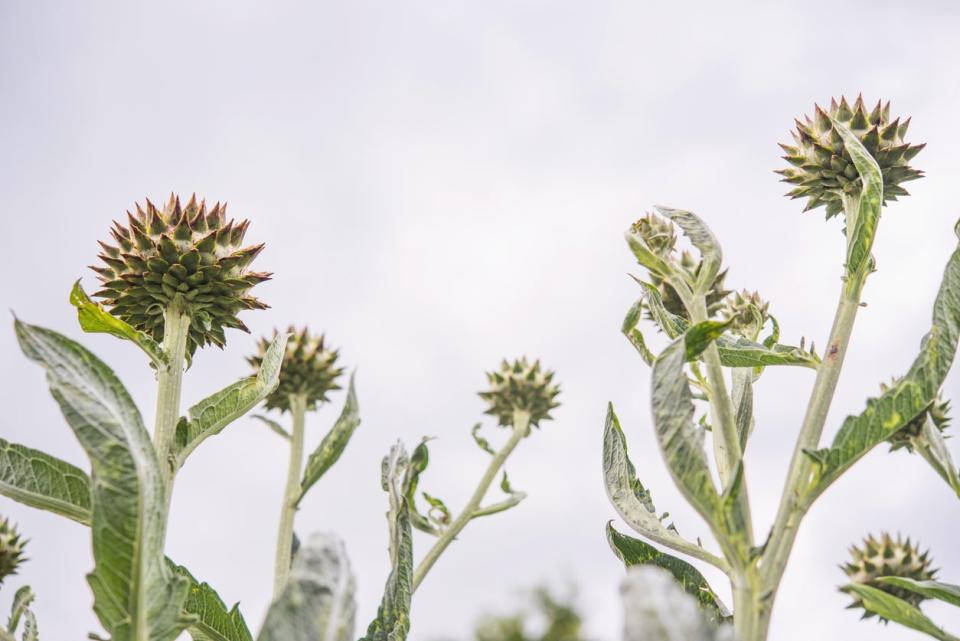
<point>443,184</point>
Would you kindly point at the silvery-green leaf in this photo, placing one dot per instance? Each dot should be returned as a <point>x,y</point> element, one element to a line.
<point>273,425</point>
<point>30,630</point>
<point>21,604</point>
<point>742,396</point>
<point>95,319</point>
<point>633,501</point>
<point>136,596</point>
<point>703,239</point>
<point>656,609</point>
<point>636,552</point>
<point>698,337</point>
<point>214,622</point>
<point>646,257</point>
<point>946,592</point>
<point>932,446</point>
<point>634,335</point>
<point>211,415</point>
<point>45,482</point>
<point>862,230</point>
<point>908,397</point>
<point>897,610</point>
<point>333,443</point>
<point>393,616</point>
<point>318,602</point>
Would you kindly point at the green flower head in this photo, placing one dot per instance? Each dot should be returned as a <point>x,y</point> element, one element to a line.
<point>887,557</point>
<point>308,369</point>
<point>521,386</point>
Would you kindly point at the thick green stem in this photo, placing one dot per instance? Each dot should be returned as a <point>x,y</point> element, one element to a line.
<point>521,425</point>
<point>298,407</point>
<point>176,328</point>
<point>746,607</point>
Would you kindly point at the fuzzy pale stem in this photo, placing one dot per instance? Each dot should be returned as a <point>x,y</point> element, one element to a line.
<point>521,426</point>
<point>176,326</point>
<point>298,407</point>
<point>746,609</point>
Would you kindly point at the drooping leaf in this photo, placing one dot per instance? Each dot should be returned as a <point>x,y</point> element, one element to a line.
<point>633,501</point>
<point>636,552</point>
<point>20,606</point>
<point>703,239</point>
<point>318,602</point>
<point>95,319</point>
<point>273,425</point>
<point>896,609</point>
<point>946,592</point>
<point>904,400</point>
<point>333,443</point>
<point>45,482</point>
<point>514,498</point>
<point>211,415</point>
<point>698,337</point>
<point>656,609</point>
<point>416,466</point>
<point>862,230</point>
<point>742,396</point>
<point>136,596</point>
<point>634,335</point>
<point>932,447</point>
<point>481,442</point>
<point>393,616</point>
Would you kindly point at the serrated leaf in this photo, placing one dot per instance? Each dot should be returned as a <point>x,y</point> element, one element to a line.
<point>907,398</point>
<point>946,592</point>
<point>863,229</point>
<point>634,552</point>
<point>214,621</point>
<point>95,319</point>
<point>45,482</point>
<point>318,602</point>
<point>273,425</point>
<point>210,416</point>
<point>136,597</point>
<point>897,610</point>
<point>703,239</point>
<point>656,609</point>
<point>333,443</point>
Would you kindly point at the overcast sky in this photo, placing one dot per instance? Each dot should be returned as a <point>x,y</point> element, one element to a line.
<point>441,184</point>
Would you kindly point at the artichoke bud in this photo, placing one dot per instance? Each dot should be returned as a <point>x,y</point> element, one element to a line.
<point>907,435</point>
<point>747,311</point>
<point>690,266</point>
<point>888,557</point>
<point>189,256</point>
<point>520,386</point>
<point>308,368</point>
<point>822,170</point>
<point>657,233</point>
<point>11,549</point>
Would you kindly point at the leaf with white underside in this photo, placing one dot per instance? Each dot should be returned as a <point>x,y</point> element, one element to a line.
<point>742,396</point>
<point>904,400</point>
<point>136,596</point>
<point>634,552</point>
<point>392,622</point>
<point>633,501</point>
<point>932,446</point>
<point>20,609</point>
<point>318,602</point>
<point>333,443</point>
<point>863,229</point>
<point>41,481</point>
<point>211,415</point>
<point>656,609</point>
<point>896,609</point>
<point>95,319</point>
<point>703,239</point>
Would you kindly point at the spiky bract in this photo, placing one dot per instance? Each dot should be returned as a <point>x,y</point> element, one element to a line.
<point>190,256</point>
<point>309,368</point>
<point>888,557</point>
<point>11,549</point>
<point>822,168</point>
<point>521,386</point>
<point>690,265</point>
<point>658,233</point>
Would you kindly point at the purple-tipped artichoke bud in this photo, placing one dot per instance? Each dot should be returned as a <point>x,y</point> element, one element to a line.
<point>888,557</point>
<point>821,168</point>
<point>521,386</point>
<point>189,255</point>
<point>309,369</point>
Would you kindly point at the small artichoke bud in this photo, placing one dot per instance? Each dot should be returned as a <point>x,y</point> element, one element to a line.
<point>520,386</point>
<point>907,435</point>
<point>309,368</point>
<point>11,549</point>
<point>658,233</point>
<point>822,169</point>
<point>691,265</point>
<point>190,255</point>
<point>747,311</point>
<point>888,557</point>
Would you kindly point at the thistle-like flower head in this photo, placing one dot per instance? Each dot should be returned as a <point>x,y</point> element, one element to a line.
<point>521,386</point>
<point>905,437</point>
<point>11,549</point>
<point>888,557</point>
<point>691,265</point>
<point>747,311</point>
<point>190,255</point>
<point>821,167</point>
<point>658,233</point>
<point>309,368</point>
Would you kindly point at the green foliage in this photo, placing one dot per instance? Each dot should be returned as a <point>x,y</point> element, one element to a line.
<point>333,443</point>
<point>550,618</point>
<point>42,481</point>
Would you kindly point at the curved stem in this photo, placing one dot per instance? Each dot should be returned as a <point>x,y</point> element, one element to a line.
<point>284,555</point>
<point>176,329</point>
<point>521,425</point>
